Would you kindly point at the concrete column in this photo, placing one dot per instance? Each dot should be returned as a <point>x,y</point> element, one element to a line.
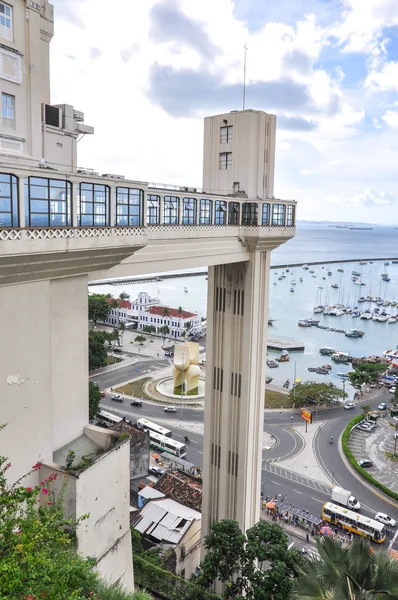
<point>74,203</point>
<point>112,206</point>
<point>237,317</point>
<point>21,202</point>
<point>145,209</point>
<point>161,219</point>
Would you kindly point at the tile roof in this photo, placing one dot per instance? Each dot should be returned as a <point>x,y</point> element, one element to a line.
<point>158,310</point>
<point>181,488</point>
<point>120,303</point>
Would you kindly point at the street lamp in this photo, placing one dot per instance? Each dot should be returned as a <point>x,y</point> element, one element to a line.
<point>182,383</point>
<point>294,382</point>
<point>291,421</point>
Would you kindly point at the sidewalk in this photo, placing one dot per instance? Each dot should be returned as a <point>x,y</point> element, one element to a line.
<point>290,529</point>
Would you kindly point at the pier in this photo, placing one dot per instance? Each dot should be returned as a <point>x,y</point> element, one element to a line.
<point>275,344</point>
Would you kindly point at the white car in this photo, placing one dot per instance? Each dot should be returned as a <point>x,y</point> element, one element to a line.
<point>170,409</point>
<point>385,519</point>
<point>349,405</point>
<point>392,389</point>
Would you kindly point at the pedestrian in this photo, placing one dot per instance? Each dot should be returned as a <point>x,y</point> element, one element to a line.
<point>335,531</point>
<point>307,537</point>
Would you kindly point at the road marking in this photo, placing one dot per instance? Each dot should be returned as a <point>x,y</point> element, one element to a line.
<point>199,452</point>
<point>317,500</point>
<point>297,492</point>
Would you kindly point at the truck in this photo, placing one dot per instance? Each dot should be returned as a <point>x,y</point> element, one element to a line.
<point>344,498</point>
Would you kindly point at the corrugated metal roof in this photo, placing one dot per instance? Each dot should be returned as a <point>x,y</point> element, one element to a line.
<point>150,492</point>
<point>153,511</point>
<point>179,509</point>
<point>163,520</point>
<point>142,525</point>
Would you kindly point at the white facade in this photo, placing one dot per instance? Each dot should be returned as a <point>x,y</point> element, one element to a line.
<point>31,129</point>
<point>116,316</point>
<point>239,154</point>
<point>142,303</point>
<point>177,324</point>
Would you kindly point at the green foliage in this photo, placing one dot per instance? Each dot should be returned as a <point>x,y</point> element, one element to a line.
<point>163,583</point>
<point>354,463</point>
<point>255,566</point>
<point>353,573</point>
<point>321,393</point>
<point>98,308</point>
<point>96,350</point>
<point>149,329</point>
<point>164,330</point>
<point>124,296</point>
<point>140,338</point>
<point>365,408</point>
<point>115,592</point>
<point>94,399</point>
<point>166,311</point>
<point>366,373</point>
<point>394,398</point>
<point>70,458</point>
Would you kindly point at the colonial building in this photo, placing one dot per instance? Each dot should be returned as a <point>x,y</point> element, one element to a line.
<point>178,322</point>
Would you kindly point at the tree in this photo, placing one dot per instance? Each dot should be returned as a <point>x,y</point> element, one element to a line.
<point>124,296</point>
<point>254,566</point>
<point>366,373</point>
<point>94,399</point>
<point>164,330</point>
<point>122,329</point>
<point>188,326</point>
<point>98,308</point>
<point>309,392</point>
<point>166,311</point>
<point>180,313</point>
<point>394,398</point>
<point>96,350</point>
<point>366,409</point>
<point>140,339</point>
<point>355,573</point>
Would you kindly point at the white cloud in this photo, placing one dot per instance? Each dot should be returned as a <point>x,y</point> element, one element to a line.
<point>384,77</point>
<point>391,118</point>
<point>331,162</point>
<point>376,123</point>
<point>305,172</point>
<point>282,146</point>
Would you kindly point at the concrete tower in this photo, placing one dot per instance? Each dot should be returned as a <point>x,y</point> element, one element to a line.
<point>239,153</point>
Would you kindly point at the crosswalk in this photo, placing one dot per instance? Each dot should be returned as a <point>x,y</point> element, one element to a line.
<point>297,478</point>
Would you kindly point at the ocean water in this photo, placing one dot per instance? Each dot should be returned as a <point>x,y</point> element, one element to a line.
<point>312,243</point>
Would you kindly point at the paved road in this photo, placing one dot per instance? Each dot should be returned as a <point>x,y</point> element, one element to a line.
<point>126,373</point>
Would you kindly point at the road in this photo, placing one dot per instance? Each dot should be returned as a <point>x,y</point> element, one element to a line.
<point>122,374</point>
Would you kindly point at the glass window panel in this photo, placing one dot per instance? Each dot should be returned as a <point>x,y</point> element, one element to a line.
<point>249,213</point>
<point>278,214</point>
<point>57,183</point>
<point>5,203</point>
<point>134,220</point>
<point>220,214</point>
<point>265,214</point>
<point>86,196</point>
<point>233,213</point>
<point>122,220</point>
<point>57,194</point>
<point>57,220</point>
<point>39,220</point>
<point>86,220</point>
<point>38,181</point>
<point>122,209</point>
<point>39,192</point>
<point>205,212</point>
<point>5,219</point>
<point>86,208</point>
<point>39,206</point>
<point>99,220</point>
<point>5,188</point>
<point>290,216</point>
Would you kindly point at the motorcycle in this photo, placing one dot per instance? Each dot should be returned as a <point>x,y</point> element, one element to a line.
<point>186,439</point>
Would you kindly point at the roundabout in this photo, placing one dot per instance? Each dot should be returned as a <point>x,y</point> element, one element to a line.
<point>165,387</point>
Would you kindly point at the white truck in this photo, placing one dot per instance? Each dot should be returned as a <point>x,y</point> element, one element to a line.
<point>344,498</point>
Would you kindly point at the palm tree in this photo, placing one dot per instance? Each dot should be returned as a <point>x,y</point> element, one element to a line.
<point>124,296</point>
<point>366,409</point>
<point>180,313</point>
<point>122,329</point>
<point>355,573</point>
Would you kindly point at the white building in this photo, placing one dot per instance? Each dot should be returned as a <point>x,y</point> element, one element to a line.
<point>142,303</point>
<point>118,314</point>
<point>179,323</point>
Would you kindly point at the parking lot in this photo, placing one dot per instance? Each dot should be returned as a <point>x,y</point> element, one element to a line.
<point>373,445</point>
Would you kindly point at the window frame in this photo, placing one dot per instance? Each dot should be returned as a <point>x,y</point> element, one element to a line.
<point>18,63</point>
<point>51,186</point>
<point>205,211</point>
<point>229,134</point>
<point>290,215</point>
<point>7,122</point>
<point>265,220</point>
<point>220,212</point>
<point>233,213</point>
<point>278,215</point>
<point>189,213</point>
<point>225,165</point>
<point>153,212</point>
<point>9,17</point>
<point>250,213</point>
<point>171,210</point>
<point>13,198</point>
<point>135,206</point>
<point>94,202</point>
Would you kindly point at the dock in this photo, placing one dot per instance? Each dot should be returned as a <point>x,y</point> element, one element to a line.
<point>275,344</point>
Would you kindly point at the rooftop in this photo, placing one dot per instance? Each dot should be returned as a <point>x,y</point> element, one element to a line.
<point>181,488</point>
<point>120,303</point>
<point>173,312</point>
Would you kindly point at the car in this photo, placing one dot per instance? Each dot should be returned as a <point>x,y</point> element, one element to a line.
<point>349,405</point>
<point>170,409</point>
<point>117,398</point>
<point>392,389</point>
<point>117,350</point>
<point>382,406</point>
<point>102,394</point>
<point>364,427</point>
<point>136,403</point>
<point>385,519</point>
<point>365,463</point>
<point>156,471</point>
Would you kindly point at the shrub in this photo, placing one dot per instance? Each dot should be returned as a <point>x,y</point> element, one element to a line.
<point>354,463</point>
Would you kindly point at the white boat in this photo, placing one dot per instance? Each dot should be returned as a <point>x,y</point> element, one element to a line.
<point>358,282</point>
<point>185,289</point>
<point>293,283</point>
<point>305,267</point>
<point>355,313</point>
<point>318,309</point>
<point>336,312</point>
<point>393,319</point>
<point>366,315</point>
<point>383,318</point>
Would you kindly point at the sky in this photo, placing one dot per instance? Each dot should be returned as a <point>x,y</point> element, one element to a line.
<point>146,72</point>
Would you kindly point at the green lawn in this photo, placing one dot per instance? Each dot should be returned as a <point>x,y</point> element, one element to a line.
<point>112,360</point>
<point>135,388</point>
<point>276,400</point>
<point>391,456</point>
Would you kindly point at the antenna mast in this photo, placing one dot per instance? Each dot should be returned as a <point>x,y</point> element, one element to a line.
<point>244,78</point>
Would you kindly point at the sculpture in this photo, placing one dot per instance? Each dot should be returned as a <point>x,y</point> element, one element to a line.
<point>185,369</point>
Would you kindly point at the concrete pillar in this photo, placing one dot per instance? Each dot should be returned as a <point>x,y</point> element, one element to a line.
<point>21,202</point>
<point>237,317</point>
<point>112,206</point>
<point>161,209</point>
<point>74,203</point>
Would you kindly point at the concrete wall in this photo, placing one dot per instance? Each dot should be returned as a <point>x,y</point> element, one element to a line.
<point>192,548</point>
<point>103,491</point>
<point>43,369</point>
<point>253,153</point>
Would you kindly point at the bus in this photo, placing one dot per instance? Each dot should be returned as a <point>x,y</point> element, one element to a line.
<point>347,519</point>
<point>108,419</point>
<point>165,444</point>
<point>145,424</point>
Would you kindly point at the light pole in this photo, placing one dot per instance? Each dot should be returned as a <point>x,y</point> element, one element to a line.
<point>294,383</point>
<point>291,421</point>
<point>182,383</point>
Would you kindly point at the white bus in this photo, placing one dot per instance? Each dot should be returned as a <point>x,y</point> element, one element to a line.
<point>165,444</point>
<point>347,519</point>
<point>108,419</point>
<point>145,424</point>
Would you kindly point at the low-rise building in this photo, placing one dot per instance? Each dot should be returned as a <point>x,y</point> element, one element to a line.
<point>181,488</point>
<point>174,528</point>
<point>179,322</point>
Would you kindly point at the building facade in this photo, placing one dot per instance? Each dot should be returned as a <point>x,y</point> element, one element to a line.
<point>119,312</point>
<point>180,323</point>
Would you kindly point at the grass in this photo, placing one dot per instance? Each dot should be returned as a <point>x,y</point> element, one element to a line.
<point>391,456</point>
<point>112,360</point>
<point>277,400</point>
<point>135,388</point>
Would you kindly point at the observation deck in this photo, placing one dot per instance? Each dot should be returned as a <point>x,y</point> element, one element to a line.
<point>56,224</point>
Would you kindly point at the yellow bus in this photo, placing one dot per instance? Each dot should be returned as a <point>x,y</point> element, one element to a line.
<point>351,521</point>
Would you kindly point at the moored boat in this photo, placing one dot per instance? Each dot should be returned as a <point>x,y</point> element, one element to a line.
<point>284,357</point>
<point>272,364</point>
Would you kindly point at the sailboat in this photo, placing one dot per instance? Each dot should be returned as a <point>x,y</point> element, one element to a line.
<point>318,307</point>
